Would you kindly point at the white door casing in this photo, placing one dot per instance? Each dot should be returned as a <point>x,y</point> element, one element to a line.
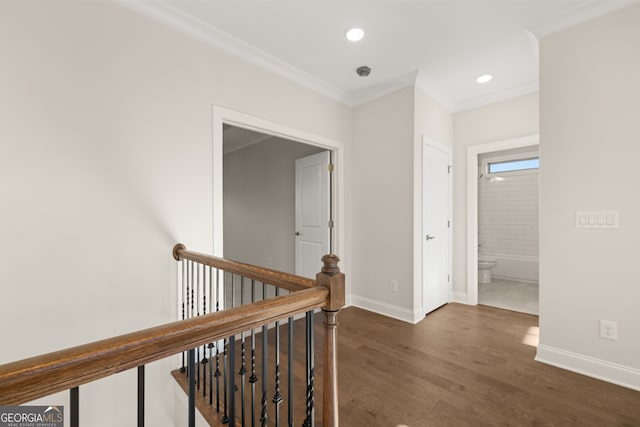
<point>436,225</point>
<point>313,213</point>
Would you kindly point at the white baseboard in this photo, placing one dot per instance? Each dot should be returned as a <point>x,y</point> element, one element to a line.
<point>460,297</point>
<point>383,308</point>
<point>590,366</point>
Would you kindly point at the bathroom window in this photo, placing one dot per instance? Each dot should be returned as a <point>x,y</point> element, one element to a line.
<point>513,165</point>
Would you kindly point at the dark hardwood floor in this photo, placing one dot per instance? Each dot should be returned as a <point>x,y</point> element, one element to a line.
<point>464,366</point>
<point>460,366</point>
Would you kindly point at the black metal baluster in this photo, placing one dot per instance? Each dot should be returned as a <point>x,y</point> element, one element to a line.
<point>264,417</point>
<point>253,378</point>
<point>309,420</point>
<point>277,398</point>
<point>74,420</point>
<point>192,388</point>
<point>141,396</point>
<point>210,346</point>
<point>243,366</point>
<point>218,373</point>
<point>204,360</point>
<point>232,362</point>
<point>197,299</point>
<point>290,362</point>
<point>189,296</point>
<point>182,297</point>
<point>232,380</point>
<point>225,417</point>
<point>192,292</point>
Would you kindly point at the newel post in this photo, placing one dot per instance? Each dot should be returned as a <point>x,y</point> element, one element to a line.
<point>330,277</point>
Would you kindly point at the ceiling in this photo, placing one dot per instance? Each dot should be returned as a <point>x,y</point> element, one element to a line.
<point>440,46</point>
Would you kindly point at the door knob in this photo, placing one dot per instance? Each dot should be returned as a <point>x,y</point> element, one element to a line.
<point>429,237</point>
<point>297,233</point>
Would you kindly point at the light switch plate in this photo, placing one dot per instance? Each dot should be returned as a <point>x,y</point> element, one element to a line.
<point>597,219</point>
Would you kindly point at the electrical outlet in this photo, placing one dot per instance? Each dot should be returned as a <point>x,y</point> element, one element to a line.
<point>608,329</point>
<point>393,286</point>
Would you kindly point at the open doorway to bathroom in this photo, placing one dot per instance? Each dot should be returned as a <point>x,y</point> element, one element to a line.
<point>477,156</point>
<point>508,229</point>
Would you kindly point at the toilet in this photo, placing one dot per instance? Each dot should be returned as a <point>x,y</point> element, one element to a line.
<point>485,264</point>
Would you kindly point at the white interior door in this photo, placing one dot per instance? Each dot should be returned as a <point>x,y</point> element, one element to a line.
<point>436,265</point>
<point>313,196</point>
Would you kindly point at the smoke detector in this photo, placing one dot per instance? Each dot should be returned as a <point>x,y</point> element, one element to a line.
<point>363,71</point>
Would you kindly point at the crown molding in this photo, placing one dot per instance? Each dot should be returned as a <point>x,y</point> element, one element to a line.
<point>428,86</point>
<point>176,19</point>
<point>417,79</point>
<point>501,95</point>
<point>582,12</point>
<point>385,88</point>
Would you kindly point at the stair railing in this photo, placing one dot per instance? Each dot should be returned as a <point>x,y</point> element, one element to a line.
<point>32,378</point>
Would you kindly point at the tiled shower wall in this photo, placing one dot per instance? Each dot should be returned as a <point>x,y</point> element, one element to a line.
<point>508,214</point>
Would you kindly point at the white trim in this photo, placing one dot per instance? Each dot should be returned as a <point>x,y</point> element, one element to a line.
<point>472,203</point>
<point>590,366</point>
<point>389,310</point>
<point>384,88</point>
<point>581,12</point>
<point>497,96</point>
<point>426,85</point>
<point>185,23</point>
<point>221,116</point>
<point>416,79</point>
<point>459,297</point>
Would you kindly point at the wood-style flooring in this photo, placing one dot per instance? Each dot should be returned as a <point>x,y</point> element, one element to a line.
<point>460,366</point>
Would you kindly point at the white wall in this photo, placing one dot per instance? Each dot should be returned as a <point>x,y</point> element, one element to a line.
<point>386,176</point>
<point>509,119</point>
<point>589,151</point>
<point>259,203</point>
<point>105,163</point>
<point>382,203</point>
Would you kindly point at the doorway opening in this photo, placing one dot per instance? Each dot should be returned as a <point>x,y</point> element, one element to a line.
<point>260,199</point>
<point>259,218</point>
<point>508,249</point>
<point>475,155</point>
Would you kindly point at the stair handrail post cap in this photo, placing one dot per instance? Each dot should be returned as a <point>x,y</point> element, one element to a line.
<point>330,277</point>
<point>330,264</point>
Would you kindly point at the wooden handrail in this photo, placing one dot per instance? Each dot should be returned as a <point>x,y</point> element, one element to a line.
<point>282,280</point>
<point>40,376</point>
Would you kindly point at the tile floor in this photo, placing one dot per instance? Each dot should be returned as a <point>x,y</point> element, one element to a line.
<point>510,295</point>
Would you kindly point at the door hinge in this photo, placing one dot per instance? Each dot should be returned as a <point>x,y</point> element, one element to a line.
<point>449,168</point>
<point>448,277</point>
<point>330,167</point>
<point>330,223</point>
<point>448,224</point>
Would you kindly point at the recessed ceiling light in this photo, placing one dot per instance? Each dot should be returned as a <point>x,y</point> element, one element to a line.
<point>485,78</point>
<point>355,34</point>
